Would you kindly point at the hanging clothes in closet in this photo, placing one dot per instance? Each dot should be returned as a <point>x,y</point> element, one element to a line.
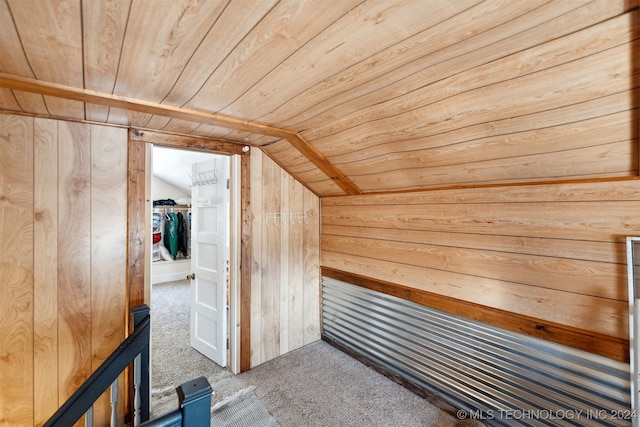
<point>183,236</point>
<point>171,233</point>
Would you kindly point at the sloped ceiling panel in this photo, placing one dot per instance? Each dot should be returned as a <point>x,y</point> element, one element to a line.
<point>360,97</point>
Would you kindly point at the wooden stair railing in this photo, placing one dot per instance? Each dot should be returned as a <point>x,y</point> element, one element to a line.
<point>133,349</point>
<point>194,396</point>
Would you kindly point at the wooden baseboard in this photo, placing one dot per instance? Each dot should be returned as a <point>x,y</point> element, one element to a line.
<point>592,342</point>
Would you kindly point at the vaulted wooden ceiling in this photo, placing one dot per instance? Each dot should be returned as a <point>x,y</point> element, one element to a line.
<point>349,96</point>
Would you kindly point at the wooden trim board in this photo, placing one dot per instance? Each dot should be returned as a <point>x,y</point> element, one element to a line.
<point>187,142</point>
<point>130,104</point>
<point>245,263</point>
<point>136,202</point>
<point>315,157</point>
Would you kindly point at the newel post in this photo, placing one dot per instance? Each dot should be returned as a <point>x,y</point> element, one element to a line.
<point>195,400</point>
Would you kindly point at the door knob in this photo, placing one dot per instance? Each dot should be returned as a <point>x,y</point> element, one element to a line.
<point>191,276</point>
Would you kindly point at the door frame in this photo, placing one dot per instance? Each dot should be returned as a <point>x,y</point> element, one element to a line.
<point>138,223</point>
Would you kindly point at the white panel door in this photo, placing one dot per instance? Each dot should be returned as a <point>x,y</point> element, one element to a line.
<point>209,229</point>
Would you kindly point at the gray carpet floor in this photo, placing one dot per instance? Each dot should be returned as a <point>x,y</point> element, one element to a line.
<point>316,385</point>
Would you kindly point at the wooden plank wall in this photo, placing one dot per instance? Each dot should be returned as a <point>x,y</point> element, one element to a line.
<point>63,227</point>
<point>553,252</point>
<point>285,280</point>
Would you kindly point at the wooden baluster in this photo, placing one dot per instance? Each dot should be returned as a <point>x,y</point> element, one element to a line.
<point>142,391</point>
<point>137,362</point>
<point>114,403</point>
<point>88,417</point>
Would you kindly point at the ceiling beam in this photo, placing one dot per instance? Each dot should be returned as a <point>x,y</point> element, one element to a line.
<point>323,164</point>
<point>13,82</point>
<point>93,97</point>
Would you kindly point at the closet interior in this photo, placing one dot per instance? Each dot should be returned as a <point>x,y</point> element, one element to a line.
<point>171,233</point>
<point>171,212</point>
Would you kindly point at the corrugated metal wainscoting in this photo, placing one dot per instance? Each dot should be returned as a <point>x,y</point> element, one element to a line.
<point>501,376</point>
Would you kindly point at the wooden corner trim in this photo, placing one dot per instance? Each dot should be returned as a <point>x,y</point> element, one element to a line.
<point>323,164</point>
<point>245,264</point>
<point>592,342</point>
<point>136,202</point>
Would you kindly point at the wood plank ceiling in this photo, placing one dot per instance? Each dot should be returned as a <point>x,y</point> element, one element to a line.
<point>349,96</point>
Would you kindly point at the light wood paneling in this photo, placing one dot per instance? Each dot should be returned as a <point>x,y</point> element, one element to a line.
<point>74,257</point>
<point>179,28</point>
<point>551,252</point>
<point>56,27</point>
<point>45,285</point>
<point>257,213</point>
<point>277,36</point>
<point>63,219</point>
<point>16,266</point>
<point>103,33</point>
<point>528,59</point>
<point>8,102</point>
<point>271,260</point>
<point>346,40</point>
<point>311,297</point>
<point>80,192</point>
<point>285,262</point>
<point>294,254</point>
<point>437,48</point>
<point>108,232</point>
<point>16,63</point>
<point>575,276</point>
<point>285,280</point>
<point>229,30</point>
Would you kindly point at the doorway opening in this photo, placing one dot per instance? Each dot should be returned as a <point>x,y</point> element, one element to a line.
<point>192,257</point>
